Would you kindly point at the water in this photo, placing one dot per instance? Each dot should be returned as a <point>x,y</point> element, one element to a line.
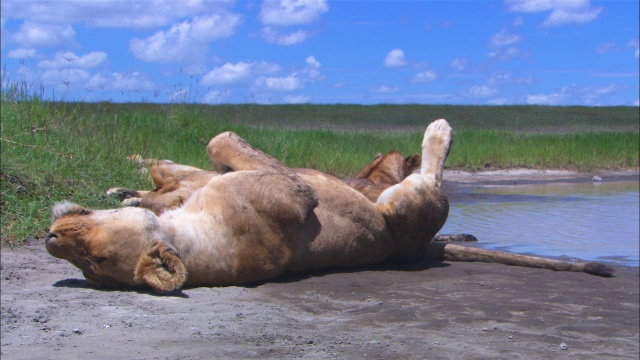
<point>592,221</point>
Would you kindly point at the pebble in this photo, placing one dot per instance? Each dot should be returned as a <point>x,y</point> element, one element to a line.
<point>596,178</point>
<point>563,346</point>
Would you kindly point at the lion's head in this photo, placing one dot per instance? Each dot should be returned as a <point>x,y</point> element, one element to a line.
<point>115,248</point>
<point>383,172</point>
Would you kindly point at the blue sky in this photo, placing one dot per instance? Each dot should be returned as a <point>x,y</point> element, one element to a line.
<point>545,52</point>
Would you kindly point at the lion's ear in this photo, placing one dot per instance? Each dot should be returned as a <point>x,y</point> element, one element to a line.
<point>412,163</point>
<point>161,268</point>
<point>164,179</point>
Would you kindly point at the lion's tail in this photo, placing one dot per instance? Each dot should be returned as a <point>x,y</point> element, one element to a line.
<point>451,252</point>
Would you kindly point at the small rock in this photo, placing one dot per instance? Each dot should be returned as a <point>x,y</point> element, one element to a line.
<point>596,178</point>
<point>77,331</point>
<point>563,346</point>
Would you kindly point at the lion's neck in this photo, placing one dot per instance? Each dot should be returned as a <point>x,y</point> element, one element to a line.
<point>201,245</point>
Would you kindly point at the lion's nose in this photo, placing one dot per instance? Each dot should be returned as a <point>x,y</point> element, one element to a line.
<point>49,237</point>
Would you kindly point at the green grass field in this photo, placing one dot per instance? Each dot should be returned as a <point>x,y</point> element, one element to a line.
<point>76,151</point>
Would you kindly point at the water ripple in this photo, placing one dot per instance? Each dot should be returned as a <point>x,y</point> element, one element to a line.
<point>597,222</point>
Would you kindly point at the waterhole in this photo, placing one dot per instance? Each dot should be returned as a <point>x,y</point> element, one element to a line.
<point>586,221</point>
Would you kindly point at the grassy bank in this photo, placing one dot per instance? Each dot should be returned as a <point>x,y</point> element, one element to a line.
<point>56,151</point>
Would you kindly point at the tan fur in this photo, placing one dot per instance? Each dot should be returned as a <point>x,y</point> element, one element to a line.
<point>383,172</point>
<point>174,183</point>
<point>167,176</point>
<point>257,220</point>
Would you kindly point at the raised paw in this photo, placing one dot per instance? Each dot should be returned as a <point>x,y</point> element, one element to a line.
<point>435,148</point>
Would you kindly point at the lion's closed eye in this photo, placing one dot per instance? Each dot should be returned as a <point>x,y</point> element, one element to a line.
<point>97,259</point>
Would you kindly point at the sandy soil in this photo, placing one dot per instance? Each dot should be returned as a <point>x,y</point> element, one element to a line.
<point>418,310</point>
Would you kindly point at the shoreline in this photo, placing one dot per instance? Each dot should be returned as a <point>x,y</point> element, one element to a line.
<point>526,176</point>
<point>458,184</point>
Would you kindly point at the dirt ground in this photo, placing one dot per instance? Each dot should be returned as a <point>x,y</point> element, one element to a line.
<point>420,310</point>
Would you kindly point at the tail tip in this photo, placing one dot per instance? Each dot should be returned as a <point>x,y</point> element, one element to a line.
<point>598,269</point>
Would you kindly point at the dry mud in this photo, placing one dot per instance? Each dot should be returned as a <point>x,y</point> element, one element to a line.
<point>420,310</point>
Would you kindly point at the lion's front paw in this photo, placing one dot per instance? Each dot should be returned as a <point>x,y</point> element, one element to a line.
<point>123,194</point>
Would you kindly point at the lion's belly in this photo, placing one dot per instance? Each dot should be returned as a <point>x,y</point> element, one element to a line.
<point>345,230</point>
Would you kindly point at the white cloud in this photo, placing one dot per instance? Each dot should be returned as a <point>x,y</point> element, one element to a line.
<point>179,96</point>
<point>134,81</point>
<point>130,81</point>
<point>229,74</point>
<point>312,62</point>
<point>291,12</point>
<point>482,91</point>
<point>395,58</point>
<point>74,79</point>
<point>61,78</point>
<point>214,26</point>
<point>519,21</point>
<point>383,89</point>
<point>562,11</point>
<point>502,39</point>
<point>296,99</point>
<point>605,48</point>
<point>499,77</point>
<point>505,54</point>
<point>458,64</point>
<point>273,36</point>
<point>21,53</point>
<point>216,97</point>
<point>499,101</point>
<point>111,13</point>
<point>561,17</point>
<point>311,71</point>
<point>68,59</point>
<point>556,98</point>
<point>185,42</point>
<point>575,95</point>
<point>506,78</point>
<point>288,83</point>
<point>425,76</point>
<point>33,35</point>
<point>606,90</point>
<point>241,72</point>
<point>171,46</point>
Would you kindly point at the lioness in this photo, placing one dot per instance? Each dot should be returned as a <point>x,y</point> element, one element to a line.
<point>259,219</point>
<point>174,183</point>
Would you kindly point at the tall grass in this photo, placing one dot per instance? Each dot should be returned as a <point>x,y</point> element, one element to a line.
<point>60,150</point>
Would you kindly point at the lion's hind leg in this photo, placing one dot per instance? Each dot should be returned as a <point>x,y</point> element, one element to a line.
<point>230,152</point>
<point>435,148</point>
<point>416,209</point>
